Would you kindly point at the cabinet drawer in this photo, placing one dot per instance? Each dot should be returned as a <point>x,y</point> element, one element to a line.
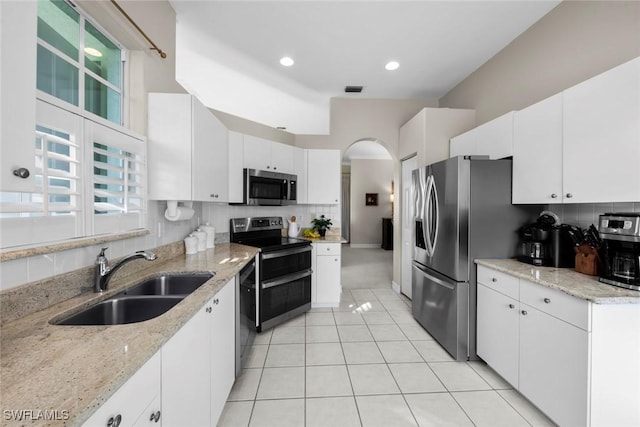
<point>498,281</point>
<point>329,248</point>
<point>558,304</point>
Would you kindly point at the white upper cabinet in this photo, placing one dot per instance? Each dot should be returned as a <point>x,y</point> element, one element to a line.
<point>493,139</point>
<point>236,164</point>
<point>300,161</point>
<point>601,137</point>
<point>428,133</point>
<point>537,153</point>
<point>323,177</point>
<point>18,35</point>
<point>581,145</point>
<point>188,150</point>
<point>263,154</point>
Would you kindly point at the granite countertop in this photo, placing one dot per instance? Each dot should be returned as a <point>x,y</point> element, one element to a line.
<point>77,368</point>
<point>566,280</point>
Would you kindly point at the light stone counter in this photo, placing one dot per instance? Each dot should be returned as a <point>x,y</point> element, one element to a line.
<point>77,368</point>
<point>566,280</point>
<point>325,239</point>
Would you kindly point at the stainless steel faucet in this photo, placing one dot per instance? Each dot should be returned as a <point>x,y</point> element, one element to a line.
<point>103,271</point>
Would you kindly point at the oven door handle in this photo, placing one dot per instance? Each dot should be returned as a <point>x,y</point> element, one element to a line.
<point>284,279</point>
<point>286,252</point>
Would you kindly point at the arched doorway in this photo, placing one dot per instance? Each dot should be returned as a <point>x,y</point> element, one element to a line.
<point>367,211</point>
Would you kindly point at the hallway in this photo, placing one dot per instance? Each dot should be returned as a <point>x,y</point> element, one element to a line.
<point>366,268</point>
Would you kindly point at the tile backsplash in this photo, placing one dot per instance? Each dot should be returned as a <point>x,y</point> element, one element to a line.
<point>21,271</point>
<point>585,214</point>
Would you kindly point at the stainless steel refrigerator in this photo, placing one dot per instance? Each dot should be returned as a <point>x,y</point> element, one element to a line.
<point>463,211</point>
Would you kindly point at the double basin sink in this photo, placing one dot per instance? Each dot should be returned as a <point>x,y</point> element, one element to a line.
<point>142,301</point>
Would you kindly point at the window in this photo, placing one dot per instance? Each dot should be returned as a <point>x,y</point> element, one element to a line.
<point>90,180</point>
<point>77,62</point>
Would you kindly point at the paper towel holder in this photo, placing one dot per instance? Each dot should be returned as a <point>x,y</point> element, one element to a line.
<point>176,212</point>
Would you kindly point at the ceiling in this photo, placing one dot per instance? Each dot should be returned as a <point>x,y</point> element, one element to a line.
<point>228,52</point>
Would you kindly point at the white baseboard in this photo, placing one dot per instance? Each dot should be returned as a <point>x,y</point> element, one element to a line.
<point>364,245</point>
<point>395,287</point>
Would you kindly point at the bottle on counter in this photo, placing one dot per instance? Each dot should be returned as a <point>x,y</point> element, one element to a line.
<point>211,234</point>
<point>202,239</point>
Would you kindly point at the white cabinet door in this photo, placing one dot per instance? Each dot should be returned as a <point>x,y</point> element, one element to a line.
<point>223,356</point>
<point>187,150</point>
<point>327,271</point>
<point>463,145</point>
<point>323,177</point>
<point>209,156</point>
<point>300,160</point>
<point>412,136</point>
<point>554,366</point>
<point>131,401</point>
<point>236,165</point>
<point>186,373</point>
<point>498,332</point>
<point>152,416</point>
<point>18,31</point>
<point>282,158</point>
<point>257,153</point>
<point>601,148</point>
<point>537,152</point>
<point>495,138</point>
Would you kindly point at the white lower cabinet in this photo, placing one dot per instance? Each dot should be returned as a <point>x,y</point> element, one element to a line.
<point>497,338</point>
<point>561,352</point>
<point>554,366</point>
<point>326,283</point>
<point>134,402</point>
<point>198,364</point>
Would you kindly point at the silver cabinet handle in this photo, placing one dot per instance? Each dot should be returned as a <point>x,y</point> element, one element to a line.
<point>569,195</point>
<point>547,300</point>
<point>275,168</point>
<point>215,196</point>
<point>512,306</point>
<point>268,167</point>
<point>114,421</point>
<point>554,195</point>
<point>216,301</point>
<point>208,309</point>
<point>22,173</point>
<point>494,279</point>
<point>524,312</point>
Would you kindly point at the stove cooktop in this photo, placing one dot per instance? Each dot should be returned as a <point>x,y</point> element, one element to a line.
<point>273,243</point>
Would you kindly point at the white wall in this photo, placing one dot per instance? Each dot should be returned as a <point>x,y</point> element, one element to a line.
<point>369,176</point>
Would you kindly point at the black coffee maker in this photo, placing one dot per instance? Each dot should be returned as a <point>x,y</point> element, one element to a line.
<point>548,243</point>
<point>620,233</point>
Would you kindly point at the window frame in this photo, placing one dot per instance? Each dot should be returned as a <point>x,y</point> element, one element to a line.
<point>79,63</point>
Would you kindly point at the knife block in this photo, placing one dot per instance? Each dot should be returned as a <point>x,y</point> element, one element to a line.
<point>588,260</point>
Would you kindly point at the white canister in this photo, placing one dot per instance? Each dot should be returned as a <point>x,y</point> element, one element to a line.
<point>211,234</point>
<point>190,244</point>
<point>202,239</point>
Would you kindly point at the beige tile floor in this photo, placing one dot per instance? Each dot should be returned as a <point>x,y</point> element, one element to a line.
<point>367,363</point>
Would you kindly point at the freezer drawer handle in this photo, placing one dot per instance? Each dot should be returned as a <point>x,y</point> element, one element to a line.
<point>278,254</point>
<point>436,280</point>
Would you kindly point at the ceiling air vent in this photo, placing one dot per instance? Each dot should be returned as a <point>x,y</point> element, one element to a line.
<point>353,89</point>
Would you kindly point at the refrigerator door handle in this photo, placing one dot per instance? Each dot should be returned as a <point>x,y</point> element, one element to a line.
<point>434,279</point>
<point>436,211</point>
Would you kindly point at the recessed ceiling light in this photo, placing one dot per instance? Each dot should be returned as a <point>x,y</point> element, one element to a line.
<point>392,65</point>
<point>286,61</point>
<point>92,51</point>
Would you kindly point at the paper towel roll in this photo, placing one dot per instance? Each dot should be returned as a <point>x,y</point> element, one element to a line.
<point>181,214</point>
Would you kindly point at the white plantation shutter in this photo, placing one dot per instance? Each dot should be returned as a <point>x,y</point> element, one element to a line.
<point>90,179</point>
<point>118,179</point>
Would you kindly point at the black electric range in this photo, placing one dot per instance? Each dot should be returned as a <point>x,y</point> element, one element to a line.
<point>283,272</point>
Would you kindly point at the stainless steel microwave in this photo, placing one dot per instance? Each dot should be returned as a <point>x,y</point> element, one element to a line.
<point>265,188</point>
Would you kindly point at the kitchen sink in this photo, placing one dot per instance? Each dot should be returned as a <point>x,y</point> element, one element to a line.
<point>169,284</point>
<point>122,310</point>
<point>143,301</point>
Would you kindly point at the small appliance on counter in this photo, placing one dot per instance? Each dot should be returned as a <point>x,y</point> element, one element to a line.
<point>548,243</point>
<point>620,234</point>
